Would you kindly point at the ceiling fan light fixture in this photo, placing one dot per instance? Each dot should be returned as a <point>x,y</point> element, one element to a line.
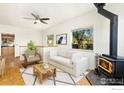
<point>38,19</point>
<point>35,22</point>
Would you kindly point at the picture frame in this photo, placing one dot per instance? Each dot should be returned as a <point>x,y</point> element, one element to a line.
<point>61,39</point>
<point>50,40</point>
<point>82,38</point>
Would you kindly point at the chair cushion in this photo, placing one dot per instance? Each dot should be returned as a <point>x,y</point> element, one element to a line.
<point>33,58</point>
<point>62,60</point>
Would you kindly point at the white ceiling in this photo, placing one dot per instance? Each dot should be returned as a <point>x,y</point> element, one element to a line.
<point>13,14</point>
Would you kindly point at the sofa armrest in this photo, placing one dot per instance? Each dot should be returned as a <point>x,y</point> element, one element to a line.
<point>80,64</point>
<point>39,55</point>
<point>25,58</point>
<point>76,56</point>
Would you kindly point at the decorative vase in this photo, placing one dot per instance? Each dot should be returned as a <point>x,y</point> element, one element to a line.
<point>46,66</point>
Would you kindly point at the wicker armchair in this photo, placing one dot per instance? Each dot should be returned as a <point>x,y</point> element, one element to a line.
<point>2,66</point>
<point>31,57</point>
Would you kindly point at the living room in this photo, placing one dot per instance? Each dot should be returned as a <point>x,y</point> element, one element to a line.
<point>64,21</point>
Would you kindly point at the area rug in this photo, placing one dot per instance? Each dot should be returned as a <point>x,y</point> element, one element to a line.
<point>62,78</point>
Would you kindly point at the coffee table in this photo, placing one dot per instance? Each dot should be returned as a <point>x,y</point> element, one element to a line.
<point>40,71</point>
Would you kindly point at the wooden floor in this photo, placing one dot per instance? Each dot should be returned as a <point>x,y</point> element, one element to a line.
<point>83,82</point>
<point>12,74</point>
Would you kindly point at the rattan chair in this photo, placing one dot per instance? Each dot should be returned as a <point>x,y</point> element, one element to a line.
<point>31,57</point>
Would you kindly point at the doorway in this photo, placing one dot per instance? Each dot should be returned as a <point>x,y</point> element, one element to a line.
<point>7,46</point>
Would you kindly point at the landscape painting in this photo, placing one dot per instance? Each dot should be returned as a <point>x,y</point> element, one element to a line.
<point>82,38</point>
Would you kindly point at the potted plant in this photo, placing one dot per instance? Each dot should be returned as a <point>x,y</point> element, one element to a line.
<point>31,47</point>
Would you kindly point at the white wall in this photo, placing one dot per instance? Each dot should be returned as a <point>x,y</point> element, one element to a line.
<point>101,30</point>
<point>90,19</point>
<point>22,36</point>
<point>79,22</point>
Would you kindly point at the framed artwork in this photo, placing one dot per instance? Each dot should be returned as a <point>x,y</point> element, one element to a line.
<point>82,38</point>
<point>50,40</point>
<point>61,39</point>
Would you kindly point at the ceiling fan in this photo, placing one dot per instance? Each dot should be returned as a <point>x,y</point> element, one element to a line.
<point>38,18</point>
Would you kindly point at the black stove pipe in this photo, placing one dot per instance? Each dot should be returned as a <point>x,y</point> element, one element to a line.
<point>113,28</point>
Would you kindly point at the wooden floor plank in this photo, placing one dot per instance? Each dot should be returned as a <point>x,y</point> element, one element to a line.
<point>83,81</point>
<point>12,75</point>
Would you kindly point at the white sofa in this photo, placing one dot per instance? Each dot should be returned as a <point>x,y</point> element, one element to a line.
<point>72,62</point>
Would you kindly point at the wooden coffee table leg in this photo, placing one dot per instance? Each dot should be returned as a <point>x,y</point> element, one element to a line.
<point>54,73</point>
<point>34,72</point>
<point>41,78</point>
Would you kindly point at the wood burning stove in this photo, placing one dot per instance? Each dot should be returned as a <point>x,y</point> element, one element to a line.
<point>105,64</point>
<point>111,65</point>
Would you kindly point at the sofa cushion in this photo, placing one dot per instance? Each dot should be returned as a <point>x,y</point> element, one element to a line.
<point>66,54</point>
<point>62,60</point>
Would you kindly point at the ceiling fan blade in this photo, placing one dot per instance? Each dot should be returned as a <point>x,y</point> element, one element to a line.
<point>29,18</point>
<point>43,21</point>
<point>44,18</point>
<point>35,16</point>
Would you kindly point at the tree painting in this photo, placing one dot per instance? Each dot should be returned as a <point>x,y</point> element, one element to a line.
<point>82,38</point>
